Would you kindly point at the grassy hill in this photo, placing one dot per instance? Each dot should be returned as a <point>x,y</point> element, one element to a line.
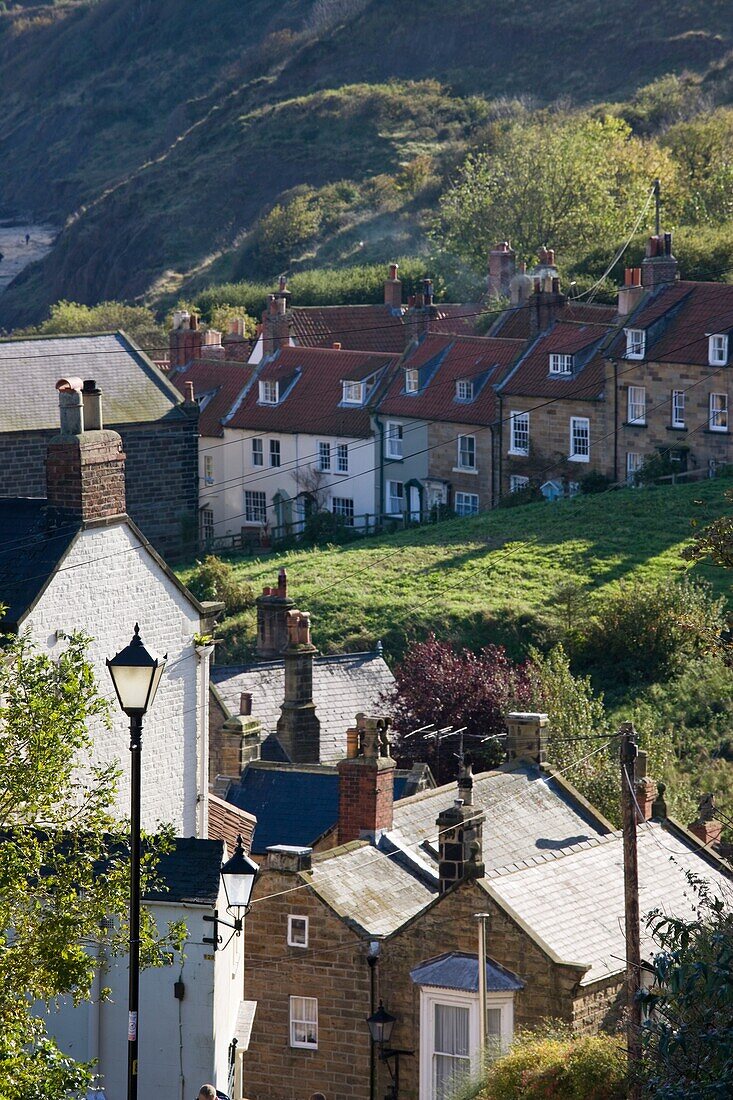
<point>159,132</point>
<point>489,578</point>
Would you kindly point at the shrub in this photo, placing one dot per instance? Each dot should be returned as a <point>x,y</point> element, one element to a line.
<point>322,528</point>
<point>595,482</point>
<point>585,1068</point>
<point>214,579</point>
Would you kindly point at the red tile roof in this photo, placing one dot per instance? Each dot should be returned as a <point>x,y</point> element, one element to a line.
<point>531,375</point>
<point>311,391</point>
<point>227,822</point>
<point>223,381</point>
<point>373,327</point>
<point>444,361</point>
<point>695,311</point>
<point>514,324</point>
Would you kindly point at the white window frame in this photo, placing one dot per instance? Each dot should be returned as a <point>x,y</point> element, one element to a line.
<point>296,1016</point>
<point>560,363</point>
<point>429,998</point>
<point>717,349</point>
<point>635,343</point>
<point>465,506</point>
<point>293,941</point>
<point>324,457</point>
<point>634,462</point>
<point>518,428</point>
<point>253,508</point>
<point>578,426</point>
<point>393,439</point>
<point>207,525</point>
<point>208,469</point>
<point>353,393</point>
<point>342,458</point>
<point>636,405</point>
<point>258,452</point>
<point>275,454</point>
<point>412,380</point>
<point>517,482</point>
<point>464,389</point>
<point>394,498</point>
<point>718,417</point>
<point>466,454</point>
<point>678,409</point>
<point>343,507</point>
<point>269,392</point>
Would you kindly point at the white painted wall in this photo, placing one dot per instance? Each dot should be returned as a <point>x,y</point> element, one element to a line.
<point>235,472</point>
<point>106,584</point>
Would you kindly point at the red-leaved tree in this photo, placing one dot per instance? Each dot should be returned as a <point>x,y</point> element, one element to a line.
<point>438,684</point>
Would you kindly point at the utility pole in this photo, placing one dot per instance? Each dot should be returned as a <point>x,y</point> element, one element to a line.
<point>483,1037</point>
<point>629,752</point>
<point>657,212</point>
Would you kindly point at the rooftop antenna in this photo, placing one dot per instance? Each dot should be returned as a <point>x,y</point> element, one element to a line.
<point>657,218</point>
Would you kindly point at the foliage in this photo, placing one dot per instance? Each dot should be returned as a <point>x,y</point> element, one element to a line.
<point>594,482</point>
<point>221,316</point>
<point>688,1034</point>
<point>138,322</point>
<point>58,829</point>
<point>215,579</point>
<point>322,528</point>
<point>574,1068</point>
<point>529,494</point>
<point>715,541</point>
<point>703,150</point>
<point>666,101</point>
<point>286,230</point>
<point>438,685</point>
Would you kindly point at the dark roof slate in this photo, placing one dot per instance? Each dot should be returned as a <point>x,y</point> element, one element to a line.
<point>457,970</point>
<point>29,553</point>
<point>190,872</point>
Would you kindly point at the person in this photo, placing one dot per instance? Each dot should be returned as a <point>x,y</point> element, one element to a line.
<point>208,1092</point>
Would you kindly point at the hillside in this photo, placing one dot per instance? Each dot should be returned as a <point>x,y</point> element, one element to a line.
<point>489,578</point>
<point>160,132</point>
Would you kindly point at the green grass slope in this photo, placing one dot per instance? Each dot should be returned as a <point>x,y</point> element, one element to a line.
<point>159,131</point>
<point>489,578</point>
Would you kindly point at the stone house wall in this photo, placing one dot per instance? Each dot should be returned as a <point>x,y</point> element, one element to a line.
<point>443,459</point>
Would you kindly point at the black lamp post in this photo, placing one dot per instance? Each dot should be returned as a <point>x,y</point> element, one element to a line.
<point>381,1024</point>
<point>136,674</point>
<point>238,875</point>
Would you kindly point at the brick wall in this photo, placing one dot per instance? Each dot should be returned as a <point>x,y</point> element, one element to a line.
<point>443,459</point>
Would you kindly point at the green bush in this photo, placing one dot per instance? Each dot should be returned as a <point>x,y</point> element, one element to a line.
<point>214,579</point>
<point>582,1068</point>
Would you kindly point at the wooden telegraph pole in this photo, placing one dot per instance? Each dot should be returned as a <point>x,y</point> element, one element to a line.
<point>629,752</point>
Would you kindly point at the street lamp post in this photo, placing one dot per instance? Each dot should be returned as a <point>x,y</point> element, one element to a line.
<point>238,875</point>
<point>381,1024</point>
<point>136,674</point>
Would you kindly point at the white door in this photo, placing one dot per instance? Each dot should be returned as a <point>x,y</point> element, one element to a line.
<point>414,503</point>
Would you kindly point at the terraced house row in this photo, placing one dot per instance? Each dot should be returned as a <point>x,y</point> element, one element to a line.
<point>392,413</point>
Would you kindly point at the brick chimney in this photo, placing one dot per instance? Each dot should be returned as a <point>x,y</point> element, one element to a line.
<point>645,789</point>
<point>631,293</point>
<point>366,781</point>
<point>277,323</point>
<point>705,827</point>
<point>185,339</point>
<point>393,289</point>
<point>421,313</point>
<point>85,469</point>
<point>298,728</point>
<point>237,346</point>
<point>501,269</point>
<point>272,614</point>
<point>545,304</point>
<point>526,736</point>
<point>659,267</point>
<point>460,832</point>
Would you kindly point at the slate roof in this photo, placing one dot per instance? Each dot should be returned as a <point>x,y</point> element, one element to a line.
<point>678,319</point>
<point>458,970</point>
<point>134,390</point>
<point>531,376</point>
<point>343,685</point>
<point>29,553</point>
<point>310,392</point>
<point>216,386</point>
<point>442,361</point>
<point>576,904</point>
<point>190,872</point>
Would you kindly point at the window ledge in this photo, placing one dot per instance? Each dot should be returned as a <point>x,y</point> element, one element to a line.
<point>715,431</point>
<point>341,473</point>
<point>634,424</point>
<point>560,374</point>
<point>465,470</point>
<point>578,458</point>
<point>518,454</point>
<point>394,458</point>
<point>676,427</point>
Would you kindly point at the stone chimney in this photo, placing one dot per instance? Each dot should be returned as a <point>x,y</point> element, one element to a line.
<point>460,831</point>
<point>520,287</point>
<point>277,323</point>
<point>501,269</point>
<point>705,827</point>
<point>288,859</point>
<point>631,293</point>
<point>366,781</point>
<point>298,728</point>
<point>393,289</point>
<point>85,469</point>
<point>659,267</point>
<point>526,736</point>
<point>237,347</point>
<point>272,614</point>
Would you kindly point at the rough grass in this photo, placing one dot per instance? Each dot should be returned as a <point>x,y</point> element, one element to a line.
<point>487,578</point>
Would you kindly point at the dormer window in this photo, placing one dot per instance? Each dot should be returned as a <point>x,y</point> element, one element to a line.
<point>269,392</point>
<point>635,343</point>
<point>561,364</point>
<point>353,393</point>
<point>718,349</point>
<point>464,389</point>
<point>412,380</point>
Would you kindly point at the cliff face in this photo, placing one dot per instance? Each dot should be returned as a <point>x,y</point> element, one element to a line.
<point>160,131</point>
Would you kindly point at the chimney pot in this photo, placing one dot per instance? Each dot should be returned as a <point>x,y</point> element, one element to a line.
<point>92,398</point>
<point>245,702</point>
<point>190,394</point>
<point>337,345</point>
<point>366,781</point>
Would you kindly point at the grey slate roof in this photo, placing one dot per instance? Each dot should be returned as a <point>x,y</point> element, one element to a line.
<point>29,553</point>
<point>343,685</point>
<point>576,904</point>
<point>134,390</point>
<point>190,872</point>
<point>529,815</point>
<point>457,970</point>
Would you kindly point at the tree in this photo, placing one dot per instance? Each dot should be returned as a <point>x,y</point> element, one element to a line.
<point>569,182</point>
<point>714,541</point>
<point>286,230</point>
<point>64,861</point>
<point>71,318</point>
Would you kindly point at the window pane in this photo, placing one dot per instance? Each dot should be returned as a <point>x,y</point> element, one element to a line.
<point>342,458</point>
<point>636,405</point>
<point>450,1044</point>
<point>257,452</point>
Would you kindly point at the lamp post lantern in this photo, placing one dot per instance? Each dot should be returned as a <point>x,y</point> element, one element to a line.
<point>136,674</point>
<point>381,1025</point>
<point>238,876</point>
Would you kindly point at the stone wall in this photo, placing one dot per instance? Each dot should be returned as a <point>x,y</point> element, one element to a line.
<point>443,460</point>
<point>600,1006</point>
